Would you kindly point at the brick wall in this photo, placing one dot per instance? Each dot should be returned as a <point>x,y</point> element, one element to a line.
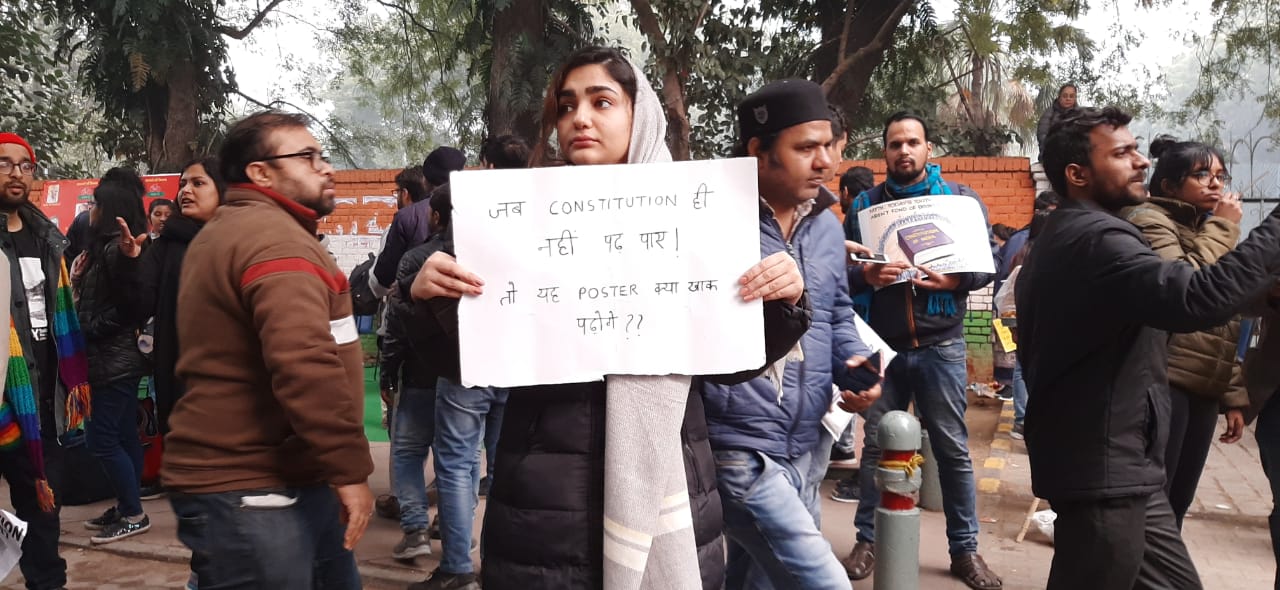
<point>365,209</point>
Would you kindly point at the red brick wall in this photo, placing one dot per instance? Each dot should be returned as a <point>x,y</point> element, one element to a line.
<point>1004,184</point>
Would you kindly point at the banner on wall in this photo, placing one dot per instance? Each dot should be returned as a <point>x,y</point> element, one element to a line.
<point>62,200</point>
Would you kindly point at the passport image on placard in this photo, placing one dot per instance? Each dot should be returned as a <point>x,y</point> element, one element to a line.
<point>925,243</point>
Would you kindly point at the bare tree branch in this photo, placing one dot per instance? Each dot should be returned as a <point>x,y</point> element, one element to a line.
<point>647,21</point>
<point>849,10</point>
<point>338,145</point>
<point>877,45</point>
<point>240,34</point>
<point>413,18</point>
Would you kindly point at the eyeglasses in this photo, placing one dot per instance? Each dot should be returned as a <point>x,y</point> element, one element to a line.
<point>26,167</point>
<point>1203,177</point>
<point>318,159</point>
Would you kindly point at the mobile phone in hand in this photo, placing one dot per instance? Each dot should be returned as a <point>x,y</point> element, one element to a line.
<point>869,258</point>
<point>866,375</point>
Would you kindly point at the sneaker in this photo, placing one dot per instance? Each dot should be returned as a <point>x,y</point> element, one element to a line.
<point>387,506</point>
<point>439,580</point>
<point>1005,393</point>
<point>842,460</point>
<point>120,530</point>
<point>414,544</point>
<point>108,518</point>
<point>151,492</point>
<point>484,486</point>
<point>847,491</point>
<point>433,529</point>
<point>1016,433</point>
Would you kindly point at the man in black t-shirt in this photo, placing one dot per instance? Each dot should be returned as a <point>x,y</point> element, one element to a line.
<point>34,248</point>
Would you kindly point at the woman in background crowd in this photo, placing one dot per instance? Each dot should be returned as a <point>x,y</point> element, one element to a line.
<point>1192,217</point>
<point>116,365</point>
<point>158,213</point>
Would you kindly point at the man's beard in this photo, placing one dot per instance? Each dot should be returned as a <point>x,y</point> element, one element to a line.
<point>11,202</point>
<point>905,178</point>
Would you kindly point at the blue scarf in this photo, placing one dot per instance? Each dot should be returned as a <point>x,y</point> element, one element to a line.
<point>941,303</point>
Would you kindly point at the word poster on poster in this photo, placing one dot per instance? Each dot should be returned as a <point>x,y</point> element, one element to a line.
<point>945,233</point>
<point>607,270</point>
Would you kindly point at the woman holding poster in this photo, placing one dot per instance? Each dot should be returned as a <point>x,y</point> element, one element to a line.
<point>587,472</point>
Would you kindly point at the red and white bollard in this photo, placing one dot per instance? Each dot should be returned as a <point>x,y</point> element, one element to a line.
<point>898,518</point>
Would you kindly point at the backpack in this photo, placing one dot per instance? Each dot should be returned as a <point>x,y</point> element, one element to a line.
<point>363,301</point>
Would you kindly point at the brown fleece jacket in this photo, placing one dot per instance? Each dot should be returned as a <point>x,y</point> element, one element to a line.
<point>269,354</point>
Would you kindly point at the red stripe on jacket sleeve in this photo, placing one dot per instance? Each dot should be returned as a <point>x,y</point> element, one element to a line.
<point>336,282</point>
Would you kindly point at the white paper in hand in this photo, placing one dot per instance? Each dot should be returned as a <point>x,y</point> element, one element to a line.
<point>12,531</point>
<point>836,419</point>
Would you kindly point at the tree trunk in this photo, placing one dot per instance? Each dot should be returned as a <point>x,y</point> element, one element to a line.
<point>677,113</point>
<point>520,23</point>
<point>180,132</point>
<point>869,35</point>
<point>976,91</point>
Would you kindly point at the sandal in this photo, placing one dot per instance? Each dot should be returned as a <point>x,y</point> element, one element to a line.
<point>861,562</point>
<point>973,571</point>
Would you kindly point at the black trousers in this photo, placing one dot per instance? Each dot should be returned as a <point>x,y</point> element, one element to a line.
<point>1268,435</point>
<point>1192,420</point>
<point>1120,544</point>
<point>41,565</point>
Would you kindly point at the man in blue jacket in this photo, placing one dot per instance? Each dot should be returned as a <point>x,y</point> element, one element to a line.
<point>923,320</point>
<point>770,447</point>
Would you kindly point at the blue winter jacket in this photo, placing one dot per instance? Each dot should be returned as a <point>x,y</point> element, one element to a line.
<point>752,416</point>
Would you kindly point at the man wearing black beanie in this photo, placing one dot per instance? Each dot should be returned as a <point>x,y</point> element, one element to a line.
<point>770,448</point>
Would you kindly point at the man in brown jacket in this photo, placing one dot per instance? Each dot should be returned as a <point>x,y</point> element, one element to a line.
<point>266,458</point>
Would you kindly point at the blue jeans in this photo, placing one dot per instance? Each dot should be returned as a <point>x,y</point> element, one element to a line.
<point>1019,394</point>
<point>766,502</point>
<point>413,426</point>
<point>934,377</point>
<point>460,430</point>
<point>1268,435</point>
<point>296,547</point>
<point>112,436</point>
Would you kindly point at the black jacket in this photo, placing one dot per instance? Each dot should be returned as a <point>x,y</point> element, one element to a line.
<point>544,517</point>
<point>426,351</point>
<point>110,330</point>
<point>153,281</point>
<point>1093,303</point>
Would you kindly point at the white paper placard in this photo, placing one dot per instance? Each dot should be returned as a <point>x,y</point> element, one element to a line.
<point>605,270</point>
<point>12,531</point>
<point>946,233</point>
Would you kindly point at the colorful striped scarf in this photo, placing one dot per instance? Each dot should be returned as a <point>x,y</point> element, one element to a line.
<point>19,410</point>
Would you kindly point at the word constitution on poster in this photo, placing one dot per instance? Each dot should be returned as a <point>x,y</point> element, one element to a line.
<point>607,270</point>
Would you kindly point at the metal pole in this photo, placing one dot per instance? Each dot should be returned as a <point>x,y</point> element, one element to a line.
<point>897,518</point>
<point>930,485</point>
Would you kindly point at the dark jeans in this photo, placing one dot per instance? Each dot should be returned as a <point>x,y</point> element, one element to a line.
<point>40,564</point>
<point>295,547</point>
<point>1268,434</point>
<point>1119,544</point>
<point>113,438</point>
<point>933,378</point>
<point>1191,424</point>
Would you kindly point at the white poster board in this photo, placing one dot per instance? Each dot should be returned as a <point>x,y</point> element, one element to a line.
<point>603,270</point>
<point>12,531</point>
<point>946,233</point>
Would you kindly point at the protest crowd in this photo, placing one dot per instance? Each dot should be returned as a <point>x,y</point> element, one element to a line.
<point>1140,313</point>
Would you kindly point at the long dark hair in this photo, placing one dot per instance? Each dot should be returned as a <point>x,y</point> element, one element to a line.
<point>614,63</point>
<point>116,196</point>
<point>1175,160</point>
<point>1038,220</point>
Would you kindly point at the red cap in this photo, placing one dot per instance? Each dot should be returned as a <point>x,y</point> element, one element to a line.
<point>15,138</point>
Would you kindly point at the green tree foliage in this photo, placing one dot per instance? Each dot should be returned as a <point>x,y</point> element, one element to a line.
<point>450,72</point>
<point>37,97</point>
<point>157,69</point>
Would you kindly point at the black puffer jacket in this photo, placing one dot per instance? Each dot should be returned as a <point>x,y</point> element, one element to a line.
<point>152,280</point>
<point>110,332</point>
<point>544,518</point>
